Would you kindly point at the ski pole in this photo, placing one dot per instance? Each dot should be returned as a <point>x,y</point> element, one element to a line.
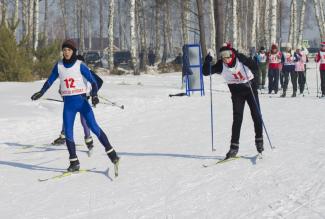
<point>306,83</point>
<point>258,110</point>
<point>112,103</point>
<point>316,80</point>
<point>212,145</point>
<point>50,99</point>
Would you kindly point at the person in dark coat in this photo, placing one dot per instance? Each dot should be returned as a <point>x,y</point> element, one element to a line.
<point>240,73</point>
<point>151,58</point>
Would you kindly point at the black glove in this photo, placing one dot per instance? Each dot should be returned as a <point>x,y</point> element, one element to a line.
<point>208,58</point>
<point>94,100</point>
<point>37,95</point>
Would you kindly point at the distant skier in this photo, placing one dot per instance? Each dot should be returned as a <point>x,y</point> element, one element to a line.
<point>288,69</point>
<point>239,73</point>
<point>320,57</point>
<point>261,60</point>
<point>274,60</point>
<point>300,60</point>
<point>87,136</point>
<point>73,75</point>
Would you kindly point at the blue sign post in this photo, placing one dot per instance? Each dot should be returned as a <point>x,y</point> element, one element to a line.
<point>192,67</point>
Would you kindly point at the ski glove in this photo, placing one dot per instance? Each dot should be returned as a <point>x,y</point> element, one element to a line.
<point>37,95</point>
<point>94,100</point>
<point>208,58</point>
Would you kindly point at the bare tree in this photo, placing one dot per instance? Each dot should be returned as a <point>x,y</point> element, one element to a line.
<point>133,37</point>
<point>184,18</point>
<point>143,37</point>
<point>165,44</point>
<point>319,18</point>
<point>219,15</point>
<point>293,23</point>
<point>35,24</point>
<point>235,23</point>
<point>101,23</point>
<point>80,4</point>
<point>212,26</point>
<point>273,21</point>
<point>302,21</point>
<point>111,35</point>
<point>157,29</point>
<point>201,25</point>
<point>46,12</point>
<point>254,18</point>
<point>64,17</point>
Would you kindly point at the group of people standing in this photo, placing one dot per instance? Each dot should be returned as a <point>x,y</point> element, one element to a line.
<point>279,65</point>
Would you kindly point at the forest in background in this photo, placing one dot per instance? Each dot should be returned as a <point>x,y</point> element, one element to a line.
<point>32,31</point>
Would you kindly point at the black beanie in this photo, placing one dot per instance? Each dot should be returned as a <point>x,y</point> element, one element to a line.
<point>70,44</point>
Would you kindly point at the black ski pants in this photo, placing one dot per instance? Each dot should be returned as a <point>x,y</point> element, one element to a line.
<point>238,103</point>
<point>301,81</point>
<point>285,79</point>
<point>294,76</point>
<point>322,81</point>
<point>273,75</point>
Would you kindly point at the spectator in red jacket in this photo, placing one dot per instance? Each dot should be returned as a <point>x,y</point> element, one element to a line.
<point>320,57</point>
<point>274,63</point>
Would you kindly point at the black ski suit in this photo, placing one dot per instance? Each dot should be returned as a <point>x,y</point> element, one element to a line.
<point>240,93</point>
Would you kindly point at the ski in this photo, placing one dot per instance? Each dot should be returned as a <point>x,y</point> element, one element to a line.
<point>64,174</point>
<point>116,165</point>
<point>222,161</point>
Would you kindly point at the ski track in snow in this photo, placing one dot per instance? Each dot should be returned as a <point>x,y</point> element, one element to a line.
<point>163,143</point>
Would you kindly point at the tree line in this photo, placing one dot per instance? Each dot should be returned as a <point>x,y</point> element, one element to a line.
<point>138,26</point>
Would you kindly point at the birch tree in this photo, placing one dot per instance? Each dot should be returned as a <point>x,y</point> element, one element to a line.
<point>30,22</point>
<point>234,25</point>
<point>133,37</point>
<point>254,18</point>
<point>35,24</point>
<point>319,19</point>
<point>184,18</point>
<point>15,18</point>
<point>267,23</point>
<point>81,26</point>
<point>157,29</point>
<point>273,21</point>
<point>165,37</point>
<point>4,4</point>
<point>212,26</point>
<point>143,36</point>
<point>293,23</point>
<point>111,35</point>
<point>101,23</point>
<point>302,20</point>
<point>64,18</point>
<point>201,25</point>
<point>46,12</point>
<point>24,17</point>
<point>219,15</point>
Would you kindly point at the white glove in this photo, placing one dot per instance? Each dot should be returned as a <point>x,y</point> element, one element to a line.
<point>212,53</point>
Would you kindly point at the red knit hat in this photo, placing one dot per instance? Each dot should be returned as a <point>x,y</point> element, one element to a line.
<point>322,43</point>
<point>274,46</point>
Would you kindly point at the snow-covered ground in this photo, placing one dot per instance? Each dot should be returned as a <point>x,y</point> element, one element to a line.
<point>163,143</point>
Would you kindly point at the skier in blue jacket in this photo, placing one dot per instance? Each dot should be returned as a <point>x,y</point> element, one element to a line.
<point>73,75</point>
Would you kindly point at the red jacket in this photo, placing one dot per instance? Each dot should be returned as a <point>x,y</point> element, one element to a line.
<point>322,62</point>
<point>274,60</point>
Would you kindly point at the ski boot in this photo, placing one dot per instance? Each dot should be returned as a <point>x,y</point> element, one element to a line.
<point>283,94</point>
<point>259,145</point>
<point>74,165</point>
<point>60,140</point>
<point>90,145</point>
<point>232,152</point>
<point>111,153</point>
<point>294,94</point>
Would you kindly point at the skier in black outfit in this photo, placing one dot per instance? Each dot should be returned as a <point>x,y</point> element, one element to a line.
<point>240,72</point>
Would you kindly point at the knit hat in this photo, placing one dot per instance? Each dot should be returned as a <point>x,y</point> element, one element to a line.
<point>69,43</point>
<point>262,48</point>
<point>274,46</point>
<point>226,50</point>
<point>322,43</point>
